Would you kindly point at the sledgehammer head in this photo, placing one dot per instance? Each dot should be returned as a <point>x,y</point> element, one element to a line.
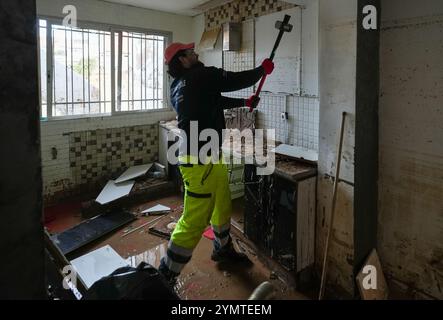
<point>284,25</point>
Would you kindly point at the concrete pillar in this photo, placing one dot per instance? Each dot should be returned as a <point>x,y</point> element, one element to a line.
<point>21,229</point>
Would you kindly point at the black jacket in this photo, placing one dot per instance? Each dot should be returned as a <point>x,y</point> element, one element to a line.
<point>196,96</point>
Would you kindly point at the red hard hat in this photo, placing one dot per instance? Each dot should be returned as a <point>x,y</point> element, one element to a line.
<point>175,47</point>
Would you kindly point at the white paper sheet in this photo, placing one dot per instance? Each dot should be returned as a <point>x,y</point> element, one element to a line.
<point>97,264</point>
<point>114,191</point>
<point>133,172</point>
<point>156,209</point>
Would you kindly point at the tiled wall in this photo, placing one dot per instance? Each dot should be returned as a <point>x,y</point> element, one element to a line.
<point>98,153</point>
<point>242,10</point>
<point>302,127</point>
<point>74,155</point>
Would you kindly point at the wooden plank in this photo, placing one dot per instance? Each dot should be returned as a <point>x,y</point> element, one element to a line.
<point>305,223</point>
<point>312,195</point>
<point>372,270</point>
<point>300,226</point>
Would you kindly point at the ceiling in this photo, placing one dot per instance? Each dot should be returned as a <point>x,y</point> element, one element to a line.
<point>183,7</point>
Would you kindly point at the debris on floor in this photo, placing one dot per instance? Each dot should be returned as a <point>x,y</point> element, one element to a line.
<point>113,191</point>
<point>209,234</point>
<point>92,229</point>
<point>141,226</point>
<point>151,256</point>
<point>97,264</point>
<point>156,210</point>
<point>134,172</point>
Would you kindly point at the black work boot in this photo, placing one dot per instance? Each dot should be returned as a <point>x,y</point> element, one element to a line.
<point>168,275</point>
<point>228,254</point>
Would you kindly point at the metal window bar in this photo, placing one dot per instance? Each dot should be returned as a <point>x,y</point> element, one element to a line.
<point>72,73</point>
<point>112,72</point>
<point>49,70</point>
<point>132,70</point>
<point>141,72</point>
<point>83,71</point>
<point>129,78</point>
<point>66,71</point>
<point>120,67</point>
<point>146,67</point>
<point>153,73</point>
<point>104,69</point>
<point>99,75</point>
<point>89,78</point>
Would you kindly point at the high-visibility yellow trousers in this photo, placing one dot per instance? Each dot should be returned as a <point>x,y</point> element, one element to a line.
<point>207,201</point>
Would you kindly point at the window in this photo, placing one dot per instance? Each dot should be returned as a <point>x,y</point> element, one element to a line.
<point>87,71</point>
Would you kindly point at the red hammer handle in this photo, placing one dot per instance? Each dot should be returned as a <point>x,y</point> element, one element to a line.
<point>260,86</point>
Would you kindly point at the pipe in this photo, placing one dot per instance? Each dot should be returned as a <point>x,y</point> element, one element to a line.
<point>263,292</point>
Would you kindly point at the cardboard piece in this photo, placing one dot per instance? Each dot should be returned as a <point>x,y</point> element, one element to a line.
<point>133,172</point>
<point>158,209</point>
<point>113,191</point>
<point>371,270</point>
<point>97,264</point>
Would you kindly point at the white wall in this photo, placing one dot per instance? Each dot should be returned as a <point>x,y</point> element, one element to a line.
<point>410,229</point>
<point>57,175</point>
<point>338,48</point>
<point>309,47</point>
<point>122,15</point>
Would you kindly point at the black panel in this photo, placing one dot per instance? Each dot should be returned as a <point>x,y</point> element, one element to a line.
<point>283,219</point>
<point>90,230</point>
<point>254,206</point>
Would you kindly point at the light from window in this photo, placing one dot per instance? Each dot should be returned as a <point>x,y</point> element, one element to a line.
<point>80,66</point>
<point>142,72</point>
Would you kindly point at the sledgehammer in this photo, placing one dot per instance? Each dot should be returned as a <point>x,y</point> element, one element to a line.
<point>283,26</point>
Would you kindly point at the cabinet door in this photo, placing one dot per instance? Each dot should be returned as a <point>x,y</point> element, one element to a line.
<point>254,206</point>
<point>282,220</point>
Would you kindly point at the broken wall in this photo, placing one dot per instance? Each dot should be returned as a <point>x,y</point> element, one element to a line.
<point>410,228</point>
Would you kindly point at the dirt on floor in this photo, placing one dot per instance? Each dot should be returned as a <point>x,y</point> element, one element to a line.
<point>201,278</point>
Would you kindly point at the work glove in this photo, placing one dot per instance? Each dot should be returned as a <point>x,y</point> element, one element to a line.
<point>268,65</point>
<point>252,102</point>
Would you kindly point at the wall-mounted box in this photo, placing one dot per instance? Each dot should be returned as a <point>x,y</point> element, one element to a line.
<point>231,36</point>
<point>209,39</point>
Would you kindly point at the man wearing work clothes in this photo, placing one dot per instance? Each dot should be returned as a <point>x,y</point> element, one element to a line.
<point>196,97</point>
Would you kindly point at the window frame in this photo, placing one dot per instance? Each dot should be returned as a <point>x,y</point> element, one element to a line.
<point>114,30</point>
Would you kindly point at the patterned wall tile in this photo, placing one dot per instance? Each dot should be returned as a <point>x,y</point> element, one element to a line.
<point>242,10</point>
<point>106,152</point>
